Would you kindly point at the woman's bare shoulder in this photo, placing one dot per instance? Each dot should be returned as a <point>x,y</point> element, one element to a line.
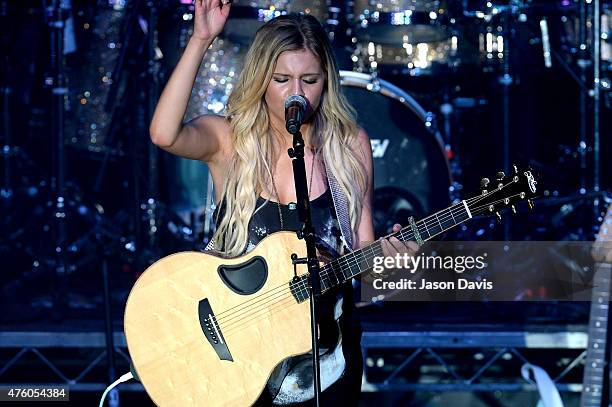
<point>361,144</point>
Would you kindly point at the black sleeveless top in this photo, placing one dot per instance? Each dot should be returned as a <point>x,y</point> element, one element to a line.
<point>266,220</point>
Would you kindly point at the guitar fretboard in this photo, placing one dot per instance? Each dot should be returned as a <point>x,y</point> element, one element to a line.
<point>598,331</point>
<point>360,261</point>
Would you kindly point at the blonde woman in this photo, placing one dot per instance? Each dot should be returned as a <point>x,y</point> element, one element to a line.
<point>246,152</point>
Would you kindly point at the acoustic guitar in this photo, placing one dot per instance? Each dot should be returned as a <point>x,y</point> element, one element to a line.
<point>208,330</point>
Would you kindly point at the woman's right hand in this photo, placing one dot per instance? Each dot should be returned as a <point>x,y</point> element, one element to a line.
<point>210,17</point>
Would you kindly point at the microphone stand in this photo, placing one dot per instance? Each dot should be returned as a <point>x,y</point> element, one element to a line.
<point>307,233</point>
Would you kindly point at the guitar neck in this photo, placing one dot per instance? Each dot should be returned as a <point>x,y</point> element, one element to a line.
<point>506,192</point>
<point>595,363</point>
<point>362,260</point>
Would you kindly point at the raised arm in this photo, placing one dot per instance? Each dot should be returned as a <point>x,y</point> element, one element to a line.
<point>200,138</point>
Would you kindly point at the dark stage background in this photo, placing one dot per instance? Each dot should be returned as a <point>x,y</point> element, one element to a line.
<point>465,94</point>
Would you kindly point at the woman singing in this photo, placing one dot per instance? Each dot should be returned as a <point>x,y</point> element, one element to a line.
<point>246,152</point>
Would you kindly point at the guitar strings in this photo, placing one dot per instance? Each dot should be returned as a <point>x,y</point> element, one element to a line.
<point>262,304</point>
<point>302,285</point>
<point>260,313</point>
<point>325,269</point>
<point>285,302</point>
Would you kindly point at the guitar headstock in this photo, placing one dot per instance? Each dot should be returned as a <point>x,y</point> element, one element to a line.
<point>504,192</point>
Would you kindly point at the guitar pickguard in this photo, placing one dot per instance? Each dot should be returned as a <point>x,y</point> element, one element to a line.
<point>246,278</point>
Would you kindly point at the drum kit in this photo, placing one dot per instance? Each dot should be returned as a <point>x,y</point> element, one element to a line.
<point>388,41</point>
<point>383,42</point>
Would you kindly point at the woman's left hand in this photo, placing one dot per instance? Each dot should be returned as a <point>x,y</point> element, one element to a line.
<point>392,245</point>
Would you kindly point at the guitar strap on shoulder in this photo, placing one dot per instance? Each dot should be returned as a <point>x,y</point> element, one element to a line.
<point>341,207</point>
<point>210,246</point>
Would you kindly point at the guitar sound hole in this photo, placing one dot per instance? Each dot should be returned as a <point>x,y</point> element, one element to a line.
<point>246,278</point>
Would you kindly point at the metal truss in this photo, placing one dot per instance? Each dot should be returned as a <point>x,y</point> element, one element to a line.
<point>84,371</point>
<point>471,361</point>
<point>435,361</point>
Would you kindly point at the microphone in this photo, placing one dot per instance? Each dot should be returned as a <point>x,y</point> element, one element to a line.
<point>295,110</point>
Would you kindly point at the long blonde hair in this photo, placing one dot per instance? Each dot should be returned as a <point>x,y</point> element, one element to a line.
<point>334,128</point>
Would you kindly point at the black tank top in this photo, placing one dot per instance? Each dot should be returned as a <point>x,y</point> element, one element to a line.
<point>266,220</point>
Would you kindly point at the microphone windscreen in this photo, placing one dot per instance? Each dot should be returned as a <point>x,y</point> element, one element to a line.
<point>297,99</point>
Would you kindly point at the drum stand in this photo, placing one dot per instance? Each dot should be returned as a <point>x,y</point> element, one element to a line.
<point>508,14</point>
<point>596,100</point>
<point>589,30</point>
<point>56,21</point>
<point>145,242</point>
<point>589,19</point>
<point>9,152</point>
<point>152,95</point>
<point>6,189</point>
<point>63,208</point>
<point>583,64</point>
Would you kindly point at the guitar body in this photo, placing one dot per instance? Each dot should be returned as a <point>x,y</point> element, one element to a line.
<point>165,327</point>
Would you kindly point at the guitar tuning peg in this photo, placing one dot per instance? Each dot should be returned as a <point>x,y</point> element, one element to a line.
<point>498,215</point>
<point>500,175</point>
<point>484,182</point>
<point>513,208</point>
<point>530,202</point>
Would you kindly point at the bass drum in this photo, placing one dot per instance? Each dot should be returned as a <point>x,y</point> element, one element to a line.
<point>411,172</point>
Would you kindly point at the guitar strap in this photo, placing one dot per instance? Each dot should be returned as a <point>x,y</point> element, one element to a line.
<point>210,246</point>
<point>340,201</point>
<point>341,207</point>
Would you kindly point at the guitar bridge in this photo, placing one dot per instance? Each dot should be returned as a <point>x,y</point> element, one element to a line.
<point>212,330</point>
